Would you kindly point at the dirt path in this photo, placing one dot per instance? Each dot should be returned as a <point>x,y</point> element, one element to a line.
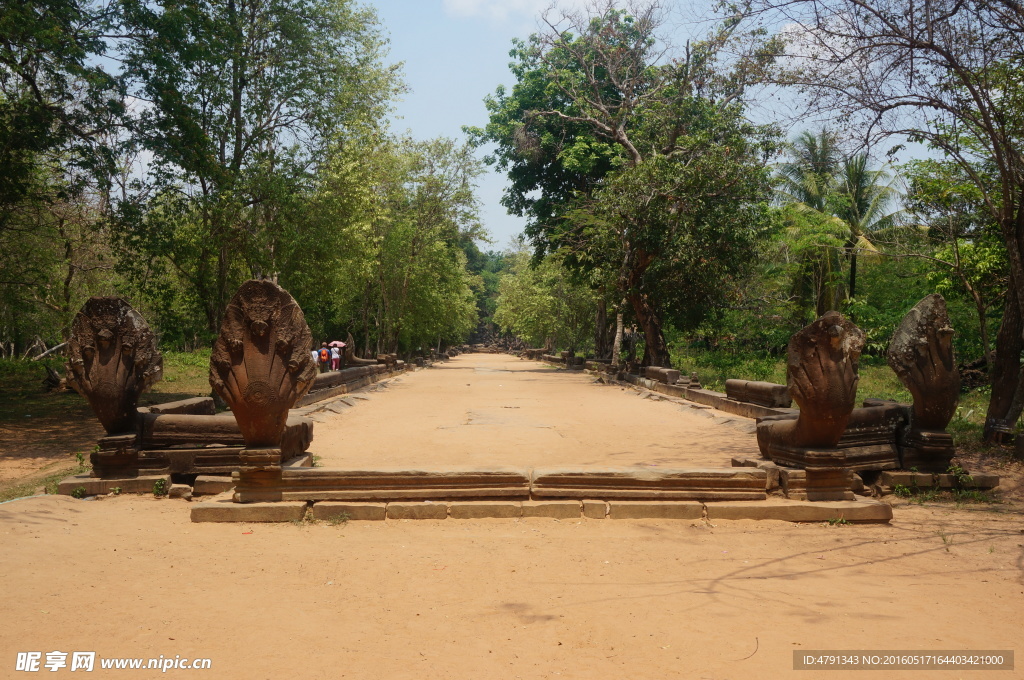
<point>500,598</point>
<point>530,598</point>
<point>480,409</point>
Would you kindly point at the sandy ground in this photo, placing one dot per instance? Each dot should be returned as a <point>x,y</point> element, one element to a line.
<point>535,598</point>
<point>480,409</point>
<point>131,576</point>
<point>43,443</point>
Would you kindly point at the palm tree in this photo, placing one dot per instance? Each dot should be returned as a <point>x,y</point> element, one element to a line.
<point>863,201</point>
<point>838,193</point>
<point>809,177</point>
<point>804,186</point>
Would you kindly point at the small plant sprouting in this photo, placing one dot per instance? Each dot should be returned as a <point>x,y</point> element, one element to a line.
<point>962,478</point>
<point>342,518</point>
<point>839,521</point>
<point>116,490</point>
<point>78,492</point>
<point>80,457</point>
<point>160,487</point>
<point>947,539</point>
<point>901,491</point>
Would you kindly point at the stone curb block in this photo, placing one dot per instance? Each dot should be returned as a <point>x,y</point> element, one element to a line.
<point>485,509</point>
<point>802,511</point>
<point>595,509</point>
<point>229,511</point>
<point>328,510</point>
<point>211,485</point>
<point>426,510</point>
<point>95,486</point>
<point>553,509</point>
<point>655,510</point>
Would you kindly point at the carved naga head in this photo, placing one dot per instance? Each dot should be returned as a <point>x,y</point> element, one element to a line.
<point>921,354</point>
<point>261,362</point>
<point>112,360</point>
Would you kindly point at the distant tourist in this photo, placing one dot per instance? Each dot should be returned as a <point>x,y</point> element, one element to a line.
<point>325,357</point>
<point>335,358</point>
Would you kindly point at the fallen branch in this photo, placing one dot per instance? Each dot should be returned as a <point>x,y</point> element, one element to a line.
<point>49,351</point>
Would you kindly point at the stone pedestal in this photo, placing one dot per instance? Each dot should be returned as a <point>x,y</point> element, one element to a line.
<point>117,456</point>
<point>927,450</point>
<point>828,484</point>
<point>260,469</point>
<point>827,472</point>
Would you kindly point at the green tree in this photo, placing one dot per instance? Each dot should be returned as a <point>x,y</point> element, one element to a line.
<point>642,166</point>
<point>866,203</point>
<point>541,304</point>
<point>961,241</point>
<point>246,99</point>
<point>58,105</point>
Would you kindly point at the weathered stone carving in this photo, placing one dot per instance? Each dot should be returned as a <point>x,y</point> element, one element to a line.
<point>921,354</point>
<point>758,392</point>
<point>822,362</point>
<point>261,362</point>
<point>350,354</point>
<point>113,359</point>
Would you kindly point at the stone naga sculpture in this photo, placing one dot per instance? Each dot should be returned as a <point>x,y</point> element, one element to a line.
<point>921,354</point>
<point>821,375</point>
<point>822,363</point>
<point>261,362</point>
<point>112,359</point>
<point>350,354</point>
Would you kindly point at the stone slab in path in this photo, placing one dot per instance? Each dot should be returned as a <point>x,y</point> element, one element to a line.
<point>864,510</point>
<point>228,511</point>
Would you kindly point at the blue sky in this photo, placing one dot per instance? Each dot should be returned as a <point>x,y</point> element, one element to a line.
<point>456,53</point>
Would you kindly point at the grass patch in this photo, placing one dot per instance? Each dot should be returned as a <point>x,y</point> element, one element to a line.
<point>23,397</point>
<point>47,483</point>
<point>185,374</point>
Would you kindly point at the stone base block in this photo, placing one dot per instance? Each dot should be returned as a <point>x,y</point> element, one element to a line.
<point>210,485</point>
<point>637,483</point>
<point>180,491</point>
<point>423,510</point>
<point>228,511</point>
<point>828,484</point>
<point>552,509</point>
<point>388,484</point>
<point>305,461</point>
<point>655,510</point>
<point>485,509</point>
<point>927,451</point>
<point>595,509</point>
<point>95,486</point>
<point>330,510</point>
<point>862,511</point>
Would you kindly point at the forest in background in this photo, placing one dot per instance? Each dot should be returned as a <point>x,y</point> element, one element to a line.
<point>166,152</point>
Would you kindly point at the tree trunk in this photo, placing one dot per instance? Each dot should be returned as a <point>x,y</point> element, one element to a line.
<point>1005,369</point>
<point>601,330</point>
<point>617,344</point>
<point>655,348</point>
<point>853,274</point>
